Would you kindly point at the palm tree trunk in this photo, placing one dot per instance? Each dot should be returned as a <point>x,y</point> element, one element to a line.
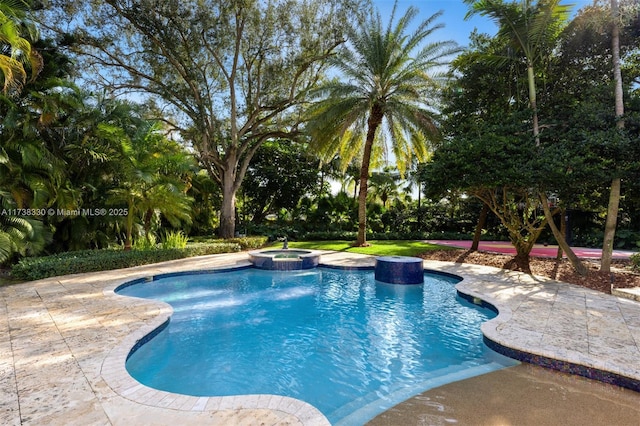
<point>147,225</point>
<point>533,103</point>
<point>614,194</point>
<point>375,118</point>
<point>419,206</point>
<point>129,225</point>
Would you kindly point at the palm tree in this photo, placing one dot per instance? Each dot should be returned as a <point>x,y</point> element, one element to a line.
<point>385,91</point>
<point>152,181</point>
<point>531,27</point>
<point>385,185</point>
<point>614,192</point>
<point>15,50</point>
<point>20,235</point>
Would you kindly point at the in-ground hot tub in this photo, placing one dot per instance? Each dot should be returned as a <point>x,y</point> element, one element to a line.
<point>284,259</point>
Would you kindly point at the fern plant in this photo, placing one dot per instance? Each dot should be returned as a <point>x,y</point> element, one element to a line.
<point>175,240</point>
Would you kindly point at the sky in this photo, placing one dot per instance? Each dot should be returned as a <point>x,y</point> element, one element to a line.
<point>454,11</point>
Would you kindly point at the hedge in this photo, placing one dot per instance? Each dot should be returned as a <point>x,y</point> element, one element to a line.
<point>35,268</point>
<point>248,243</point>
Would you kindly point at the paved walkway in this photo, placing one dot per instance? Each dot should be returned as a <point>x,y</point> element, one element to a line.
<point>64,342</point>
<point>539,250</point>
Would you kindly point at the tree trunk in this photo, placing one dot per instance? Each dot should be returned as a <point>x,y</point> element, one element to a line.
<point>523,249</point>
<point>522,261</point>
<point>228,209</point>
<point>533,103</point>
<point>482,220</point>
<point>419,206</point>
<point>375,118</point>
<point>563,231</point>
<point>227,213</point>
<point>129,226</point>
<point>614,195</point>
<point>610,226</point>
<point>148,215</point>
<point>577,264</point>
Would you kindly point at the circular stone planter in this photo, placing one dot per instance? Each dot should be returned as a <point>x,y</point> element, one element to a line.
<point>399,270</point>
<point>284,259</point>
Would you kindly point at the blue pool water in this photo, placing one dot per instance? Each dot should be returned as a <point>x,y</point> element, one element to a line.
<point>346,344</point>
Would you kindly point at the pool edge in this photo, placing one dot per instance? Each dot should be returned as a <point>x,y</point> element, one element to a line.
<point>493,341</point>
<point>114,373</point>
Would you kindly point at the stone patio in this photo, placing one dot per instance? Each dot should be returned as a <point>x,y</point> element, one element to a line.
<point>64,341</point>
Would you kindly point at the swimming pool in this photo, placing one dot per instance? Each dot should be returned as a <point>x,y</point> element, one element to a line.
<point>338,340</point>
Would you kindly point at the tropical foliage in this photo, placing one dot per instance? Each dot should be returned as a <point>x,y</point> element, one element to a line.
<point>495,156</point>
<point>228,75</point>
<point>17,57</point>
<point>140,134</point>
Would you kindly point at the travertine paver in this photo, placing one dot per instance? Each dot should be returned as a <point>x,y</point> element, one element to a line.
<point>64,341</point>
<point>559,321</point>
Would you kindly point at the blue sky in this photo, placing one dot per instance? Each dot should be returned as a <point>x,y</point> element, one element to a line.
<point>454,11</point>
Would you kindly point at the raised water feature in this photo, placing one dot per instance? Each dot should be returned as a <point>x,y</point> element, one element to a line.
<point>284,259</point>
<point>399,270</point>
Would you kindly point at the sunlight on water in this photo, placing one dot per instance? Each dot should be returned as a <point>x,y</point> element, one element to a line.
<point>338,340</point>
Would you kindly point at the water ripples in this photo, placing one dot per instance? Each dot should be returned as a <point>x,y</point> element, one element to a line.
<point>327,337</point>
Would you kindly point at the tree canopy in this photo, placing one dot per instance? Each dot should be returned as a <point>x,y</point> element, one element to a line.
<point>227,75</point>
<point>490,152</point>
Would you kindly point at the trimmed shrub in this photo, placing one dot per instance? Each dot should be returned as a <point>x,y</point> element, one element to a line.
<point>245,243</point>
<point>35,268</point>
<point>330,236</point>
<point>249,243</point>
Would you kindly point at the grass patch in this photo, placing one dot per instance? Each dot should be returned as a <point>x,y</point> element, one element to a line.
<point>377,247</point>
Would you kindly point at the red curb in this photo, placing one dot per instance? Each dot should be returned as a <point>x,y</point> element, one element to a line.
<point>539,250</point>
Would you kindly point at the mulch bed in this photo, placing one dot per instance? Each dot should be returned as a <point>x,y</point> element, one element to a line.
<point>561,270</point>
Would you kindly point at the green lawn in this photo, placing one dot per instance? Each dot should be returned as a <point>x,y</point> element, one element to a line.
<point>377,247</point>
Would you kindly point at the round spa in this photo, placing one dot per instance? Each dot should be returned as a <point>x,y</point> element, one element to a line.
<point>284,259</point>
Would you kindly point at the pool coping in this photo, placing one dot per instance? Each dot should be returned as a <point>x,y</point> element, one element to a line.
<point>118,378</point>
<point>594,348</point>
<point>94,330</point>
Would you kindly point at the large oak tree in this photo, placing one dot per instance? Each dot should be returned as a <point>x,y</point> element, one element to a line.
<point>227,75</point>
